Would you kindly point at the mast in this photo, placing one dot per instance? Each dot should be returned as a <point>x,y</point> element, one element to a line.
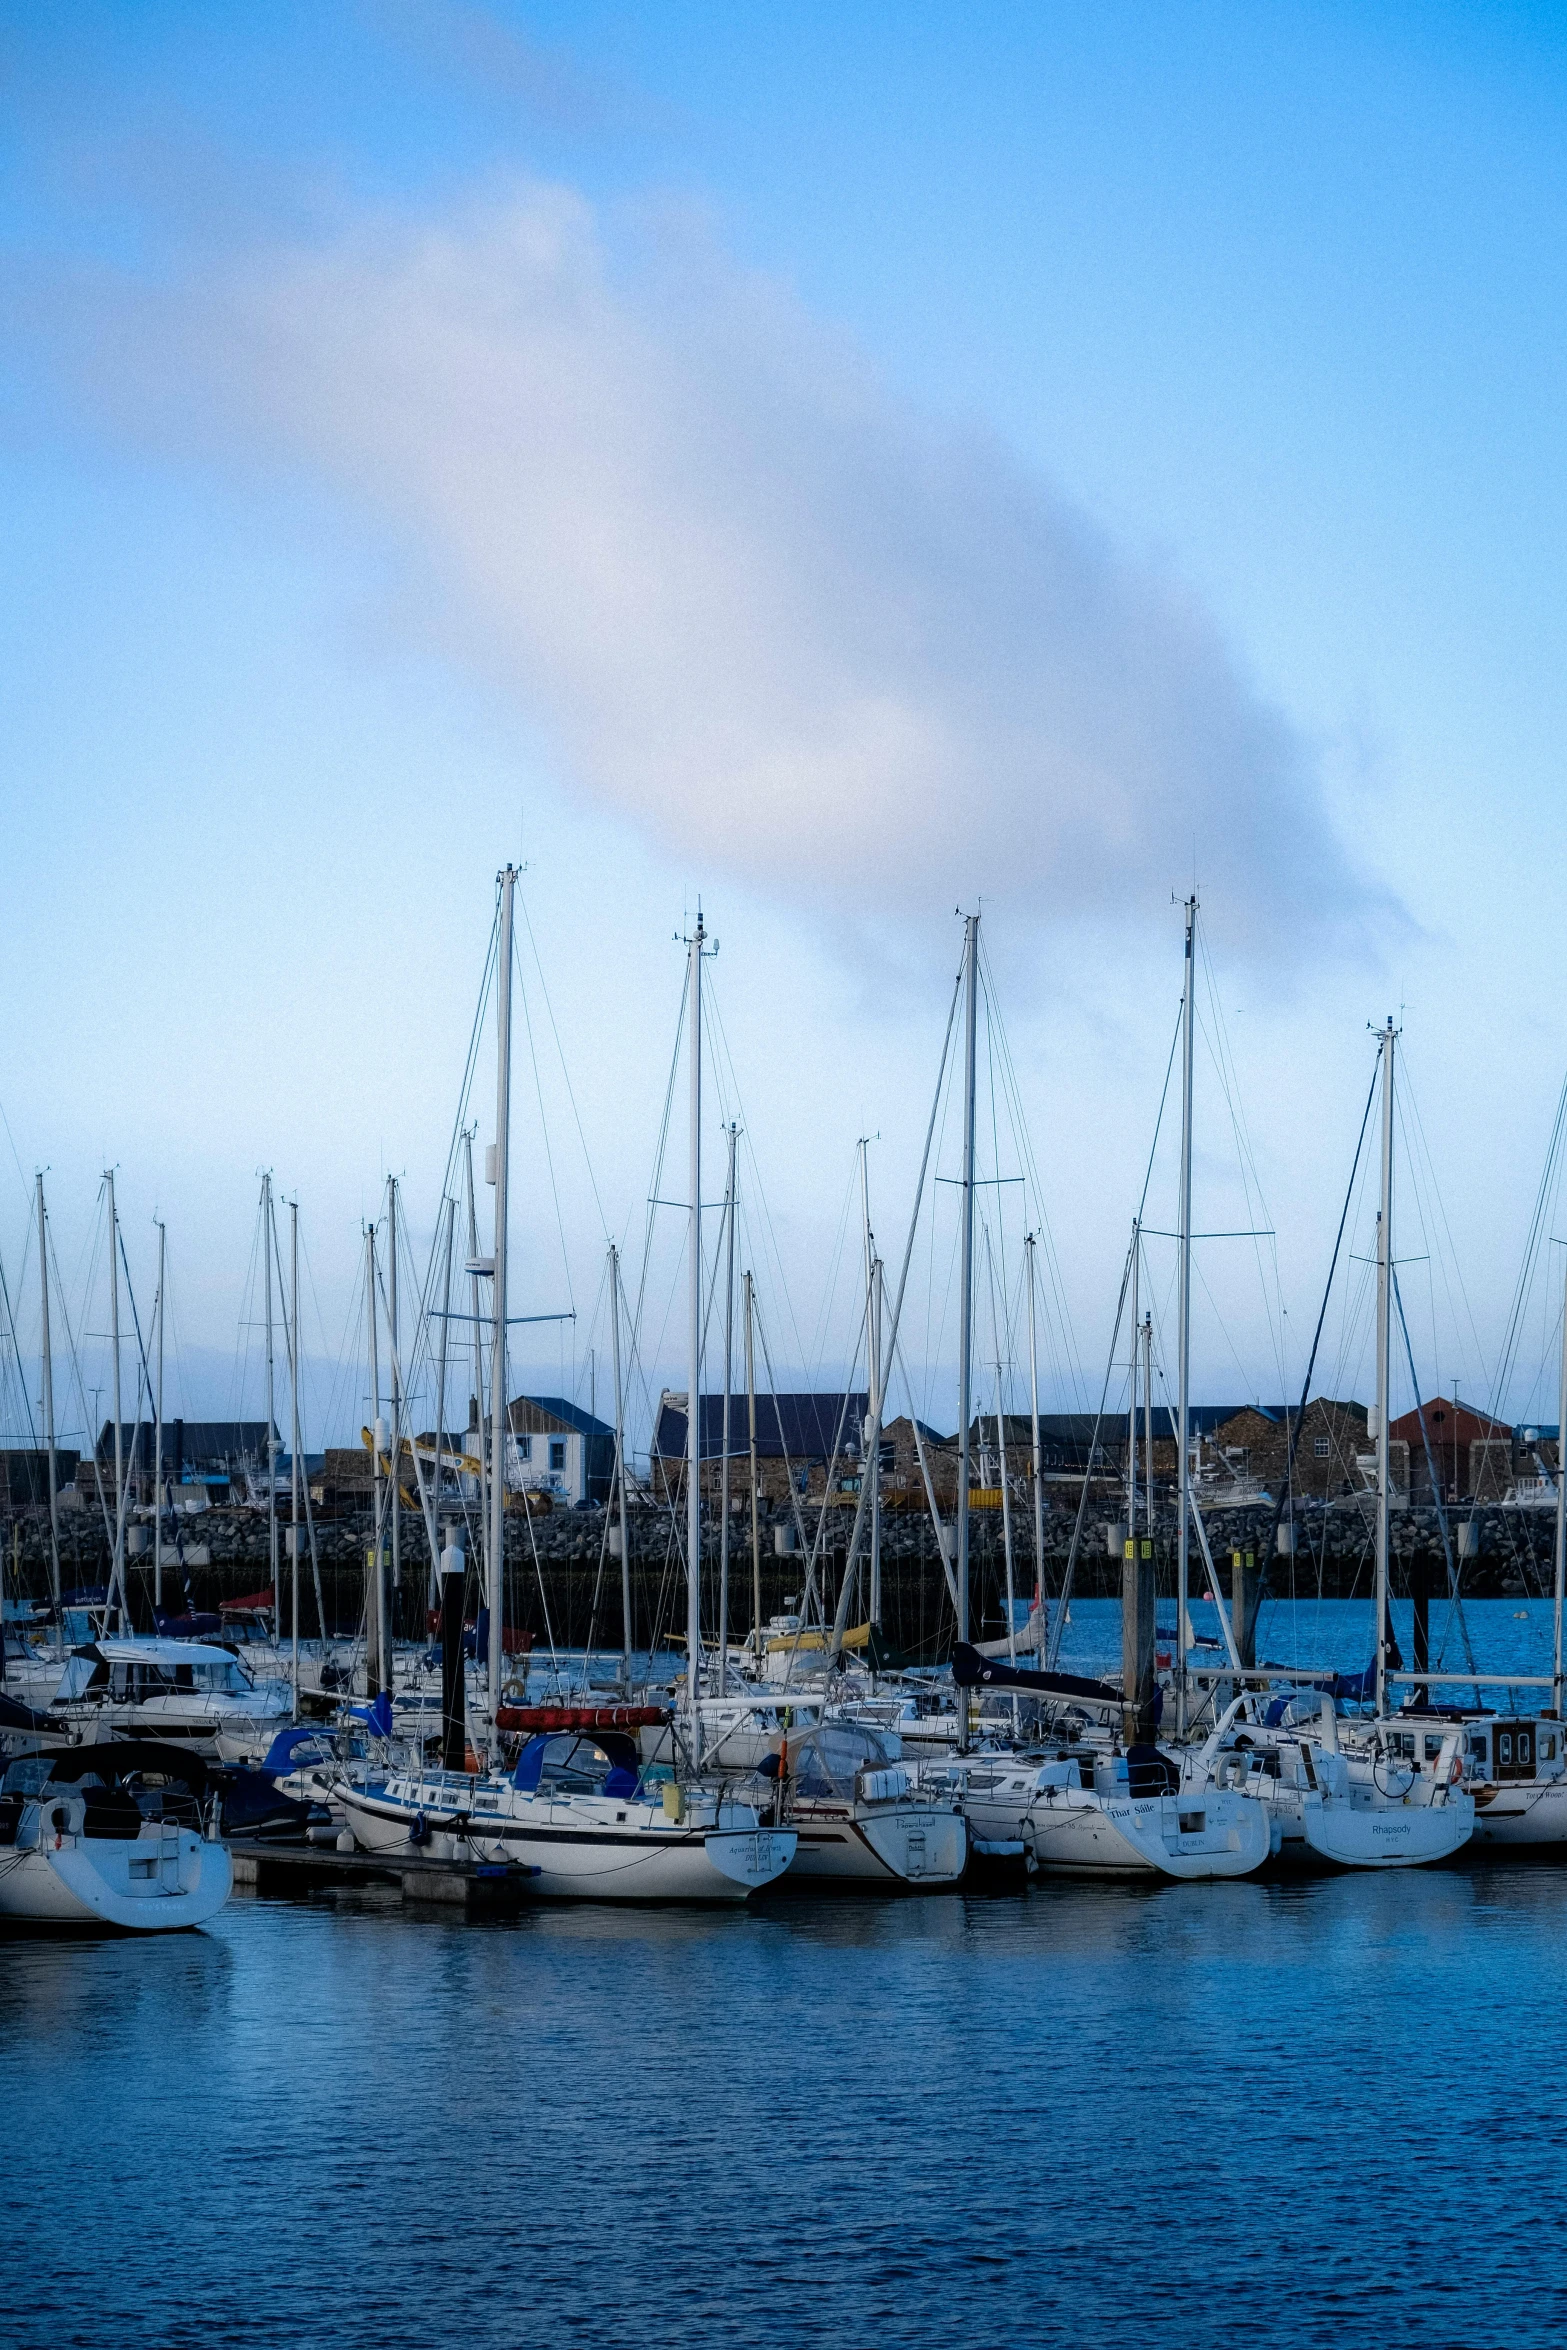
<point>277,1596</point>
<point>497,1561</point>
<point>117,1560</point>
<point>1183,1623</point>
<point>966,1291</point>
<point>293,1416</point>
<point>1035,1471</point>
<point>1384,1359</point>
<point>475,1276</point>
<point>395,1497</point>
<point>729,1338</point>
<point>620,1468</point>
<point>373,1592</point>
<point>871,1433</point>
<point>157,1440</point>
<point>1131,1417</point>
<point>48,1403</point>
<point>1148,1421</point>
<point>756,1528</point>
<point>440,1383</point>
<point>694,1349</point>
<point>1561,1518</point>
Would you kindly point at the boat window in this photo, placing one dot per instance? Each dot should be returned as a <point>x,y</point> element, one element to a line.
<point>27,1776</point>
<point>1402,1742</point>
<point>1504,1746</point>
<point>1547,1746</point>
<point>1433,1744</point>
<point>1526,1750</point>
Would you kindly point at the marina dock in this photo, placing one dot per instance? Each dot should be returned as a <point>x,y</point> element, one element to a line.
<point>290,1870</point>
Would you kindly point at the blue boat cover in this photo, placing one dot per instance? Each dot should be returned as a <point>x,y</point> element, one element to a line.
<point>279,1756</point>
<point>377,1716</point>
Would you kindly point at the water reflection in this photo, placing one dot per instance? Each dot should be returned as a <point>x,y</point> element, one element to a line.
<point>1077,2110</point>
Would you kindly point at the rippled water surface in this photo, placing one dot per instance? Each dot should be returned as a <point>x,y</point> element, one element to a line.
<point>1320,2112</point>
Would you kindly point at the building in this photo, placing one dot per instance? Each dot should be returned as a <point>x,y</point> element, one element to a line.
<point>555,1447</point>
<point>1073,1445</point>
<point>1471,1453</point>
<point>221,1455</point>
<point>1252,1448</point>
<point>24,1474</point>
<point>796,1436</point>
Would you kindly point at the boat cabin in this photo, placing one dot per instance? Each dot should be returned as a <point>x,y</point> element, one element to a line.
<point>1496,1747</point>
<point>126,1672</point>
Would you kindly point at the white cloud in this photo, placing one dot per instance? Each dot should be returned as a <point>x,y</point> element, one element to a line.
<point>758,604</point>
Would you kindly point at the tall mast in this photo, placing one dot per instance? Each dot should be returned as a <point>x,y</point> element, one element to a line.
<point>756,1525</point>
<point>497,1591</point>
<point>694,1351</point>
<point>395,1497</point>
<point>1035,1466</point>
<point>1131,1422</point>
<point>729,1343</point>
<point>277,1596</point>
<point>374,1595</point>
<point>293,1415</point>
<point>48,1403</point>
<point>870,1457</point>
<point>1183,1624</point>
<point>440,1385</point>
<point>157,1439</point>
<point>1384,1358</point>
<point>1561,1518</point>
<point>966,1291</point>
<point>1148,1421</point>
<point>620,1468</point>
<point>117,1560</point>
<point>475,1276</point>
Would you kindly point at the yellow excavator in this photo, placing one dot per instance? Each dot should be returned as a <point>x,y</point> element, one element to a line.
<point>538,1505</point>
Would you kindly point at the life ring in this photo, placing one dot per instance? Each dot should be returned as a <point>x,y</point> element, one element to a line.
<point>1455,1770</point>
<point>419,1833</point>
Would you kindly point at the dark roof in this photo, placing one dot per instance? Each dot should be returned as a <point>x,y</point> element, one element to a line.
<point>556,1407</point>
<point>802,1425</point>
<point>1077,1428</point>
<point>192,1442</point>
<point>928,1434</point>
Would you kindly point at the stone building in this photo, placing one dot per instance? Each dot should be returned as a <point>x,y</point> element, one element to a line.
<point>796,1438</point>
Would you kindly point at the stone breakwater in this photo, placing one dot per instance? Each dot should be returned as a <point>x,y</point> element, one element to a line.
<point>561,1584</point>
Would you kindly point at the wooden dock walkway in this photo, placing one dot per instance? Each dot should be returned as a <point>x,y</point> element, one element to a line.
<point>292,1870</point>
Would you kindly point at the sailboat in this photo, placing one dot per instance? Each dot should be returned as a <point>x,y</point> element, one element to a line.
<point>78,1850</point>
<point>579,1809</point>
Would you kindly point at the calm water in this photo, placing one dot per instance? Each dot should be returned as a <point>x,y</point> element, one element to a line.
<point>1080,2114</point>
<point>1339,1635</point>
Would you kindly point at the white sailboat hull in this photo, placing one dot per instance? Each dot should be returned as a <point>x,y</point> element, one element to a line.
<point>1073,1830</point>
<point>649,1858</point>
<point>145,1885</point>
<point>1395,1836</point>
<point>909,1844</point>
<point>1523,1813</point>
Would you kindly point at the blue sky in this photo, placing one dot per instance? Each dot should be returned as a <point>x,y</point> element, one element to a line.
<point>840,461</point>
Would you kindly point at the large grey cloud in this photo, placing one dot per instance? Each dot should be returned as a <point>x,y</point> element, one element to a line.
<point>753,599</point>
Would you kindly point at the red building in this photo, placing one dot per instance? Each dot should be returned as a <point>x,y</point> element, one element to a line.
<point>1472,1453</point>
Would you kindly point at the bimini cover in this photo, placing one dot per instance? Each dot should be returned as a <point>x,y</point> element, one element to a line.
<point>827,1760</point>
<point>608,1758</point>
<point>285,1746</point>
<point>112,1759</point>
